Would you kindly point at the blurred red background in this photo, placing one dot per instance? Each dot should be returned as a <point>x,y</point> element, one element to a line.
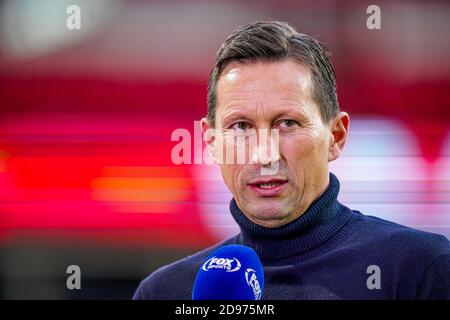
<point>86,118</point>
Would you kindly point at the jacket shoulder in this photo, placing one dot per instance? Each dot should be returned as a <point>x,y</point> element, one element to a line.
<point>402,239</point>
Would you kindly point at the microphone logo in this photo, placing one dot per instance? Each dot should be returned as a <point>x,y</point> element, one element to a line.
<point>252,281</point>
<point>230,265</point>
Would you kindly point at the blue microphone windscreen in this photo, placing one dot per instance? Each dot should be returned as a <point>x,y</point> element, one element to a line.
<point>232,272</point>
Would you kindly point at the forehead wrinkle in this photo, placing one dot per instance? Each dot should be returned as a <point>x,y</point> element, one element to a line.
<point>239,74</point>
<point>278,92</point>
<point>240,99</point>
<point>264,111</point>
<point>271,113</point>
<point>248,91</point>
<point>261,95</point>
<point>266,108</point>
<point>293,86</point>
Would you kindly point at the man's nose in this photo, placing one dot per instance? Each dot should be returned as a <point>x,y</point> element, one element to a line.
<point>267,150</point>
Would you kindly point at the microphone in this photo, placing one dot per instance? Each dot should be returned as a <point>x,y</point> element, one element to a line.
<point>232,272</point>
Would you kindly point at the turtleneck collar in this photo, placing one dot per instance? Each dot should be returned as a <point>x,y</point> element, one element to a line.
<point>324,218</point>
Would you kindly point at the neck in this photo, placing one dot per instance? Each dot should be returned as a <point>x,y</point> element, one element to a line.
<point>321,220</point>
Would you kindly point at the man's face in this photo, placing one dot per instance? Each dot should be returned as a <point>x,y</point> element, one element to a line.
<point>273,95</point>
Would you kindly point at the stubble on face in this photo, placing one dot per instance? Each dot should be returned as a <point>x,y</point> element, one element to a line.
<point>271,96</point>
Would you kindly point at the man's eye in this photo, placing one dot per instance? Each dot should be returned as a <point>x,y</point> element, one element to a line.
<point>287,123</point>
<point>241,126</point>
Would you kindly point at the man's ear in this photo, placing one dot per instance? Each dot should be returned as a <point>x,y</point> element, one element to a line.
<point>208,137</point>
<point>339,127</point>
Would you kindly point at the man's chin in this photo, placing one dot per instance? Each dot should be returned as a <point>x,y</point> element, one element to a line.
<point>270,215</point>
<point>270,221</point>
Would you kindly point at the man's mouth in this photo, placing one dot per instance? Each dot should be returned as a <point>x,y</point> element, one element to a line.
<point>268,188</point>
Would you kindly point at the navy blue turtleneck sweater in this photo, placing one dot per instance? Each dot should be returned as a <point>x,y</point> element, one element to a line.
<point>330,252</point>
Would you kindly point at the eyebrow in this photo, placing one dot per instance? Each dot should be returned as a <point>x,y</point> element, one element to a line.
<point>241,112</point>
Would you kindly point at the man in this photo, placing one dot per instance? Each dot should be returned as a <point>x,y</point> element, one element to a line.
<point>269,77</point>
